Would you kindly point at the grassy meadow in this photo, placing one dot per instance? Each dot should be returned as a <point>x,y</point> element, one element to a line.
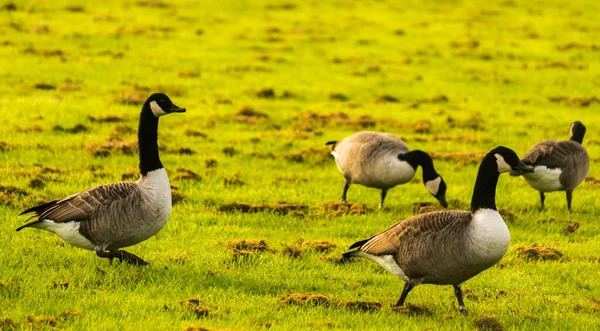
<point>256,234</point>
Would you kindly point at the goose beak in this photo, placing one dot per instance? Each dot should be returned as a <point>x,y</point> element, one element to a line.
<point>521,169</point>
<point>176,109</point>
<point>443,201</point>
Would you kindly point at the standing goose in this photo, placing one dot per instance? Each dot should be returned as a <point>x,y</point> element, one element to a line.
<point>560,165</point>
<point>108,217</point>
<point>382,160</point>
<point>447,247</point>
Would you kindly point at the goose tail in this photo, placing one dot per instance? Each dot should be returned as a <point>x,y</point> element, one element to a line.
<point>357,252</point>
<point>333,142</point>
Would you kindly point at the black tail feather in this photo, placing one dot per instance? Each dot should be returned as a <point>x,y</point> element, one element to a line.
<point>39,208</point>
<point>333,142</point>
<point>358,243</point>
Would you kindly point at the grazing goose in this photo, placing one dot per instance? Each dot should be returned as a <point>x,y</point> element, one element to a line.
<point>108,217</point>
<point>382,160</point>
<point>559,165</point>
<point>451,246</point>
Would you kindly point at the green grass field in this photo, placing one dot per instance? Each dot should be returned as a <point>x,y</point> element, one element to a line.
<point>266,84</point>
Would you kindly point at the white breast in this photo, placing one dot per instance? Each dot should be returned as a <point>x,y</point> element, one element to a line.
<point>489,236</point>
<point>544,179</point>
<point>157,195</point>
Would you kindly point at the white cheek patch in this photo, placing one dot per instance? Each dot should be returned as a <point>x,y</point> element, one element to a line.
<point>502,165</point>
<point>434,185</point>
<point>156,110</point>
<point>571,130</point>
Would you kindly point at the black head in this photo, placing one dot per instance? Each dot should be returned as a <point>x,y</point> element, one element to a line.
<point>577,131</point>
<point>508,161</point>
<point>437,187</point>
<point>159,104</point>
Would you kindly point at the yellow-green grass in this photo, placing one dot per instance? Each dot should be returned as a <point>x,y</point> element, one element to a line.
<point>467,76</point>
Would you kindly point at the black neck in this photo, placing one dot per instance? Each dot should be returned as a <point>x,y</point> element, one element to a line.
<point>148,142</point>
<point>578,136</point>
<point>420,158</point>
<point>484,193</point>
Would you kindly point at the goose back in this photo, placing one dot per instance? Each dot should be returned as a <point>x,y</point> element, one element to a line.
<point>371,159</point>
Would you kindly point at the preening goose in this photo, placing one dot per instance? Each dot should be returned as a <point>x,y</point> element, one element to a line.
<point>559,165</point>
<point>447,247</point>
<point>382,160</point>
<point>108,217</point>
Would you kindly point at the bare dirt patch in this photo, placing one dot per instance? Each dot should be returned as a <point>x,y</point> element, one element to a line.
<point>194,305</point>
<point>303,299</point>
<point>186,174</point>
<point>539,253</point>
<point>412,310</point>
<point>106,119</point>
<point>243,248</point>
<point>281,208</point>
<point>488,323</point>
<point>335,208</point>
<point>313,155</point>
<point>571,228</point>
<point>112,146</point>
<point>234,180</point>
<point>79,128</point>
<point>574,101</point>
<point>462,158</point>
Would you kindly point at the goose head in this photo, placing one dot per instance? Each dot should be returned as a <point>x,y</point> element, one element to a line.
<point>159,104</point>
<point>508,161</point>
<point>437,188</point>
<point>577,131</point>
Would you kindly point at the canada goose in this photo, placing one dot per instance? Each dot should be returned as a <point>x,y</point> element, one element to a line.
<point>559,165</point>
<point>382,160</point>
<point>451,246</point>
<point>108,217</point>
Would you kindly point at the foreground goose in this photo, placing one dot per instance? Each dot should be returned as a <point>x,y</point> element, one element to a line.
<point>560,165</point>
<point>382,160</point>
<point>108,217</point>
<point>447,247</point>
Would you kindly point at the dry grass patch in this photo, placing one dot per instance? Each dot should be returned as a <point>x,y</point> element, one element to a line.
<point>79,128</point>
<point>574,101</point>
<point>539,253</point>
<point>186,174</point>
<point>112,146</point>
<point>335,208</point>
<point>412,310</point>
<point>572,227</point>
<point>462,158</point>
<point>243,248</point>
<point>281,208</point>
<point>107,118</point>
<point>489,323</point>
<point>194,305</point>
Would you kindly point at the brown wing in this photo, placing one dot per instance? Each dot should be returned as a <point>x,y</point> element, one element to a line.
<point>553,153</point>
<point>390,241</point>
<point>80,206</point>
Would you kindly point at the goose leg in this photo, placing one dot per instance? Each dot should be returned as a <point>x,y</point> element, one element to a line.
<point>407,287</point>
<point>346,187</point>
<point>383,194</point>
<point>122,256</point>
<point>459,296</point>
<point>569,199</point>
<point>542,198</point>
